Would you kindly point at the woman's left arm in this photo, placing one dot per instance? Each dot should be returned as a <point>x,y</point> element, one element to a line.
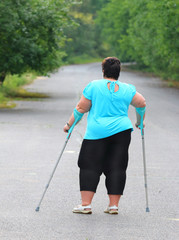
<point>83,106</point>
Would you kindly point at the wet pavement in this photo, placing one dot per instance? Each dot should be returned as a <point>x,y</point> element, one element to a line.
<point>31,139</point>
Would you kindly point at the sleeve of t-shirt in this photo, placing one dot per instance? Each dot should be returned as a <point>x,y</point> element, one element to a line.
<point>87,92</point>
<point>132,90</point>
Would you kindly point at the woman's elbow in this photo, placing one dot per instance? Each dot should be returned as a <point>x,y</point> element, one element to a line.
<point>80,109</point>
<point>138,101</point>
<point>143,104</point>
<point>139,104</point>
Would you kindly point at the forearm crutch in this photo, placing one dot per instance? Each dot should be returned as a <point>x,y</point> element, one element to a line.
<point>140,117</point>
<point>77,116</point>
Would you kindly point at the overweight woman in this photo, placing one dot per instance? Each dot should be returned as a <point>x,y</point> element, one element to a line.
<point>108,134</point>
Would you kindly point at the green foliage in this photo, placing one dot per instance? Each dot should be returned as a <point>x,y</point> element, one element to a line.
<point>144,31</point>
<point>153,33</point>
<point>13,83</point>
<point>83,59</point>
<point>114,21</point>
<point>2,99</point>
<point>39,35</point>
<point>84,38</point>
<point>31,35</point>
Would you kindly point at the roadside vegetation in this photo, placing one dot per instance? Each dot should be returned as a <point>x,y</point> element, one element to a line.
<point>37,37</point>
<point>140,31</point>
<point>12,89</point>
<point>31,41</point>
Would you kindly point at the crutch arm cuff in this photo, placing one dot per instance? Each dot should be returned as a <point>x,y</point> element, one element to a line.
<point>141,111</point>
<point>77,117</point>
<point>140,117</point>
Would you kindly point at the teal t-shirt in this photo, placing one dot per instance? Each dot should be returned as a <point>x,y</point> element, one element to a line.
<point>108,114</point>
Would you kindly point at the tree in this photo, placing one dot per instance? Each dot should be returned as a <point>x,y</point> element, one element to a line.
<point>85,37</point>
<point>153,31</point>
<point>144,31</point>
<point>114,20</point>
<point>31,35</point>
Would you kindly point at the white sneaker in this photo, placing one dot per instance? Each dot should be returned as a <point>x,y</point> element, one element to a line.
<point>82,209</point>
<point>112,210</point>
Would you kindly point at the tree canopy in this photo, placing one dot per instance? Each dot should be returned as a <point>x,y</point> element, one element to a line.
<point>39,35</point>
<point>85,37</point>
<point>31,35</point>
<point>143,31</point>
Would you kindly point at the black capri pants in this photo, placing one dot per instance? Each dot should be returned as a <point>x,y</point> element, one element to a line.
<point>109,156</point>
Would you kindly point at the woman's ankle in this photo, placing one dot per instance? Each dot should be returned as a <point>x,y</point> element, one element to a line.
<point>86,197</point>
<point>86,203</point>
<point>114,200</point>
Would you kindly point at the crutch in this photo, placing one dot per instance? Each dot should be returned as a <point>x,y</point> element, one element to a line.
<point>77,116</point>
<point>140,116</point>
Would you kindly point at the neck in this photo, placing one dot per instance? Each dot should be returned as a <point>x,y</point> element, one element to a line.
<point>111,79</point>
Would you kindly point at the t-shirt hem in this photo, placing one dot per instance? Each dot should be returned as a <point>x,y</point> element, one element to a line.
<point>97,138</point>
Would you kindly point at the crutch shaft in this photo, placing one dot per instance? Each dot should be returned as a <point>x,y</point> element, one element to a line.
<point>77,116</point>
<point>38,207</point>
<point>145,171</point>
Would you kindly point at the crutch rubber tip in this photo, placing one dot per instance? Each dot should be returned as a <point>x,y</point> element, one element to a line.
<point>37,209</point>
<point>147,209</point>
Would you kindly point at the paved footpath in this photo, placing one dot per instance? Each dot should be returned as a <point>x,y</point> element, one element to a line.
<point>31,138</point>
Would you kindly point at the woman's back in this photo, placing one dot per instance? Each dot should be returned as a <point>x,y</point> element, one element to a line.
<point>110,101</point>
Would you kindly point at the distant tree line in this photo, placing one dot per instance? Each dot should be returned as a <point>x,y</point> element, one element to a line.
<point>85,37</point>
<point>143,31</point>
<point>40,35</point>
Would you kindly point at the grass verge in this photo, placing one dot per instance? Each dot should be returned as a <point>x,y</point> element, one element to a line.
<point>12,90</point>
<point>135,68</point>
<point>5,102</point>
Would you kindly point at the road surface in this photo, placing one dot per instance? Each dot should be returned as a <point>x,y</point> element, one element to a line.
<point>31,139</point>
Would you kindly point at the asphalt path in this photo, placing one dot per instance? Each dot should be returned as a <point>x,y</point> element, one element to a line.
<point>31,139</point>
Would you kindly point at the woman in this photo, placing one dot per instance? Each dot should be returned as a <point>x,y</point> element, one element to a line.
<point>108,134</point>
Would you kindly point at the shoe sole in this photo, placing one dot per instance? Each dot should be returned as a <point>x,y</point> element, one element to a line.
<point>83,212</point>
<point>111,212</point>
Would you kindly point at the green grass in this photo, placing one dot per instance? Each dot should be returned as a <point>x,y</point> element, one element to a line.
<point>14,81</point>
<point>4,102</point>
<point>12,89</point>
<point>174,84</point>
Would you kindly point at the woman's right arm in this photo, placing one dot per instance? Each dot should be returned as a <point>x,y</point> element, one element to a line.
<point>138,101</point>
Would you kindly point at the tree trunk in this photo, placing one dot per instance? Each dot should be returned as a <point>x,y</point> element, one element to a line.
<point>2,78</point>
